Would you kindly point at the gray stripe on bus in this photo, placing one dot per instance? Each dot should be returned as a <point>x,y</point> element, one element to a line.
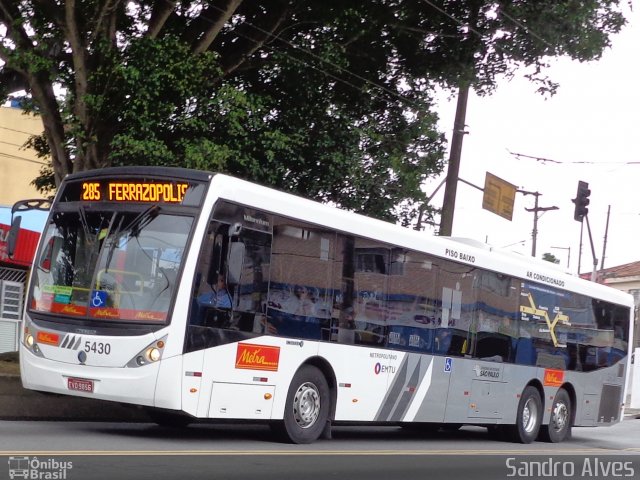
<point>393,392</point>
<point>410,387</point>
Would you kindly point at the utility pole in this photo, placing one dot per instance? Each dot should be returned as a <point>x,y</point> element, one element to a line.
<point>606,235</point>
<point>580,250</point>
<point>594,272</point>
<point>535,211</point>
<point>450,190</point>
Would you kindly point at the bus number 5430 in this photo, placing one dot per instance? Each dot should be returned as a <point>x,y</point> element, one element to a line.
<point>97,347</point>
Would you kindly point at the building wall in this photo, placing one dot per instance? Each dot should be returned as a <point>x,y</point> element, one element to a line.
<point>18,165</point>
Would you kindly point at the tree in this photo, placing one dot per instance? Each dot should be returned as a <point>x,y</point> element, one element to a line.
<point>282,93</point>
<point>550,257</point>
<point>332,99</point>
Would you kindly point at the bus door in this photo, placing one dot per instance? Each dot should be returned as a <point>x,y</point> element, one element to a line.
<point>492,339</point>
<point>204,310</point>
<point>198,336</point>
<point>228,304</point>
<point>455,337</point>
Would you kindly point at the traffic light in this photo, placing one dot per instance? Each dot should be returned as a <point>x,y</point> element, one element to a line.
<point>581,201</point>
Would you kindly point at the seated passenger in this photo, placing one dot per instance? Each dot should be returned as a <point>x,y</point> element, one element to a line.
<point>218,297</point>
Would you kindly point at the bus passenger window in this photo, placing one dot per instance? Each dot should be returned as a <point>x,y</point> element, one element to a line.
<point>300,303</point>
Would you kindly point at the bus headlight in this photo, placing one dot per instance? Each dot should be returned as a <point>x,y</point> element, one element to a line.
<point>151,354</point>
<point>31,344</point>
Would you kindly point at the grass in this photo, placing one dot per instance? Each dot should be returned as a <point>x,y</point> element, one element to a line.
<point>9,363</point>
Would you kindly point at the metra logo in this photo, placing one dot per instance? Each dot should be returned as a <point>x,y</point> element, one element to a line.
<point>48,338</point>
<point>379,368</point>
<point>105,313</point>
<point>149,316</point>
<point>257,357</point>
<point>553,378</point>
<point>73,309</point>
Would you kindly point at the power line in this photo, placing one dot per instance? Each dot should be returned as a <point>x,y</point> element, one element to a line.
<point>22,159</point>
<point>459,22</point>
<point>479,34</point>
<point>12,144</point>
<point>18,131</point>
<point>563,162</point>
<point>325,61</point>
<point>526,29</point>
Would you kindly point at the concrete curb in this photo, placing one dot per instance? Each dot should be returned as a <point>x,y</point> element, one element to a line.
<point>17,403</point>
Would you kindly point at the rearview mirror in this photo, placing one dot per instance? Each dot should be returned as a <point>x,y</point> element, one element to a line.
<point>236,260</point>
<point>12,239</point>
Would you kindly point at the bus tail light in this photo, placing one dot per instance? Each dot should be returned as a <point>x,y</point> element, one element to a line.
<point>150,354</point>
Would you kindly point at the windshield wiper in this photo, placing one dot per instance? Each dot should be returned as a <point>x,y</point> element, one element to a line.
<point>143,219</point>
<point>134,227</point>
<point>85,224</point>
<point>114,241</point>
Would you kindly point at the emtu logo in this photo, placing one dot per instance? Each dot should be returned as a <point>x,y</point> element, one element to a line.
<point>379,368</point>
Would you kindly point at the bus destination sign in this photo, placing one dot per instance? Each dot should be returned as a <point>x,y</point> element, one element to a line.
<point>133,191</point>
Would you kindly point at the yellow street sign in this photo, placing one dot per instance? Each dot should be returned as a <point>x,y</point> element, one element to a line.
<point>499,196</point>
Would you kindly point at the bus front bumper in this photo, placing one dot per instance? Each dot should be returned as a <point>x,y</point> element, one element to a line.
<point>125,385</point>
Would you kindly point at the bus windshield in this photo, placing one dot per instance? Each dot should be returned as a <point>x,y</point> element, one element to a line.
<point>109,265</point>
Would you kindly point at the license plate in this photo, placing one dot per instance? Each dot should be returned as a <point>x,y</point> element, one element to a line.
<point>80,385</point>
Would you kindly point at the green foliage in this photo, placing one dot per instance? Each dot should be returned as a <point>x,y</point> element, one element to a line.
<point>330,100</point>
<point>549,257</point>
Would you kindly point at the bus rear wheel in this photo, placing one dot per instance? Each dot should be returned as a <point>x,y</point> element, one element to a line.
<point>307,408</point>
<point>528,417</point>
<point>559,427</point>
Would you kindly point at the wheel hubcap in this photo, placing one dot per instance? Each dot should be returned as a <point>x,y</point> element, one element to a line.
<point>306,405</point>
<point>529,416</point>
<point>560,416</point>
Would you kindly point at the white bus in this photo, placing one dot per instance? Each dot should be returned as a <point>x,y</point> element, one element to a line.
<point>201,296</point>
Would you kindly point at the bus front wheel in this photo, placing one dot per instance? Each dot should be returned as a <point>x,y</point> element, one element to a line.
<point>559,427</point>
<point>528,418</point>
<point>307,408</point>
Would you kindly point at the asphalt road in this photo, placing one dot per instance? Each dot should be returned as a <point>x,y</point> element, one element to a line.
<point>94,450</point>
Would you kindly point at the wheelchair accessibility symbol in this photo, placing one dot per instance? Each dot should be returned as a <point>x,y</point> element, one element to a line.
<point>98,298</point>
<point>448,364</point>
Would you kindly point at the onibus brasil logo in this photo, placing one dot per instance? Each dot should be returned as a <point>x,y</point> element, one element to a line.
<point>37,469</point>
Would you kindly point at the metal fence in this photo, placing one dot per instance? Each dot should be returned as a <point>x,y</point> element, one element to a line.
<point>12,287</point>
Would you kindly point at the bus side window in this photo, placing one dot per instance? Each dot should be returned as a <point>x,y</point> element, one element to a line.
<point>412,299</point>
<point>497,318</point>
<point>248,267</point>
<point>215,263</point>
<point>300,301</point>
<point>210,265</point>
<point>370,302</point>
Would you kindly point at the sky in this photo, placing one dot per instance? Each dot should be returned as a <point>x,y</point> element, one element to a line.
<point>30,220</point>
<point>590,125</point>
